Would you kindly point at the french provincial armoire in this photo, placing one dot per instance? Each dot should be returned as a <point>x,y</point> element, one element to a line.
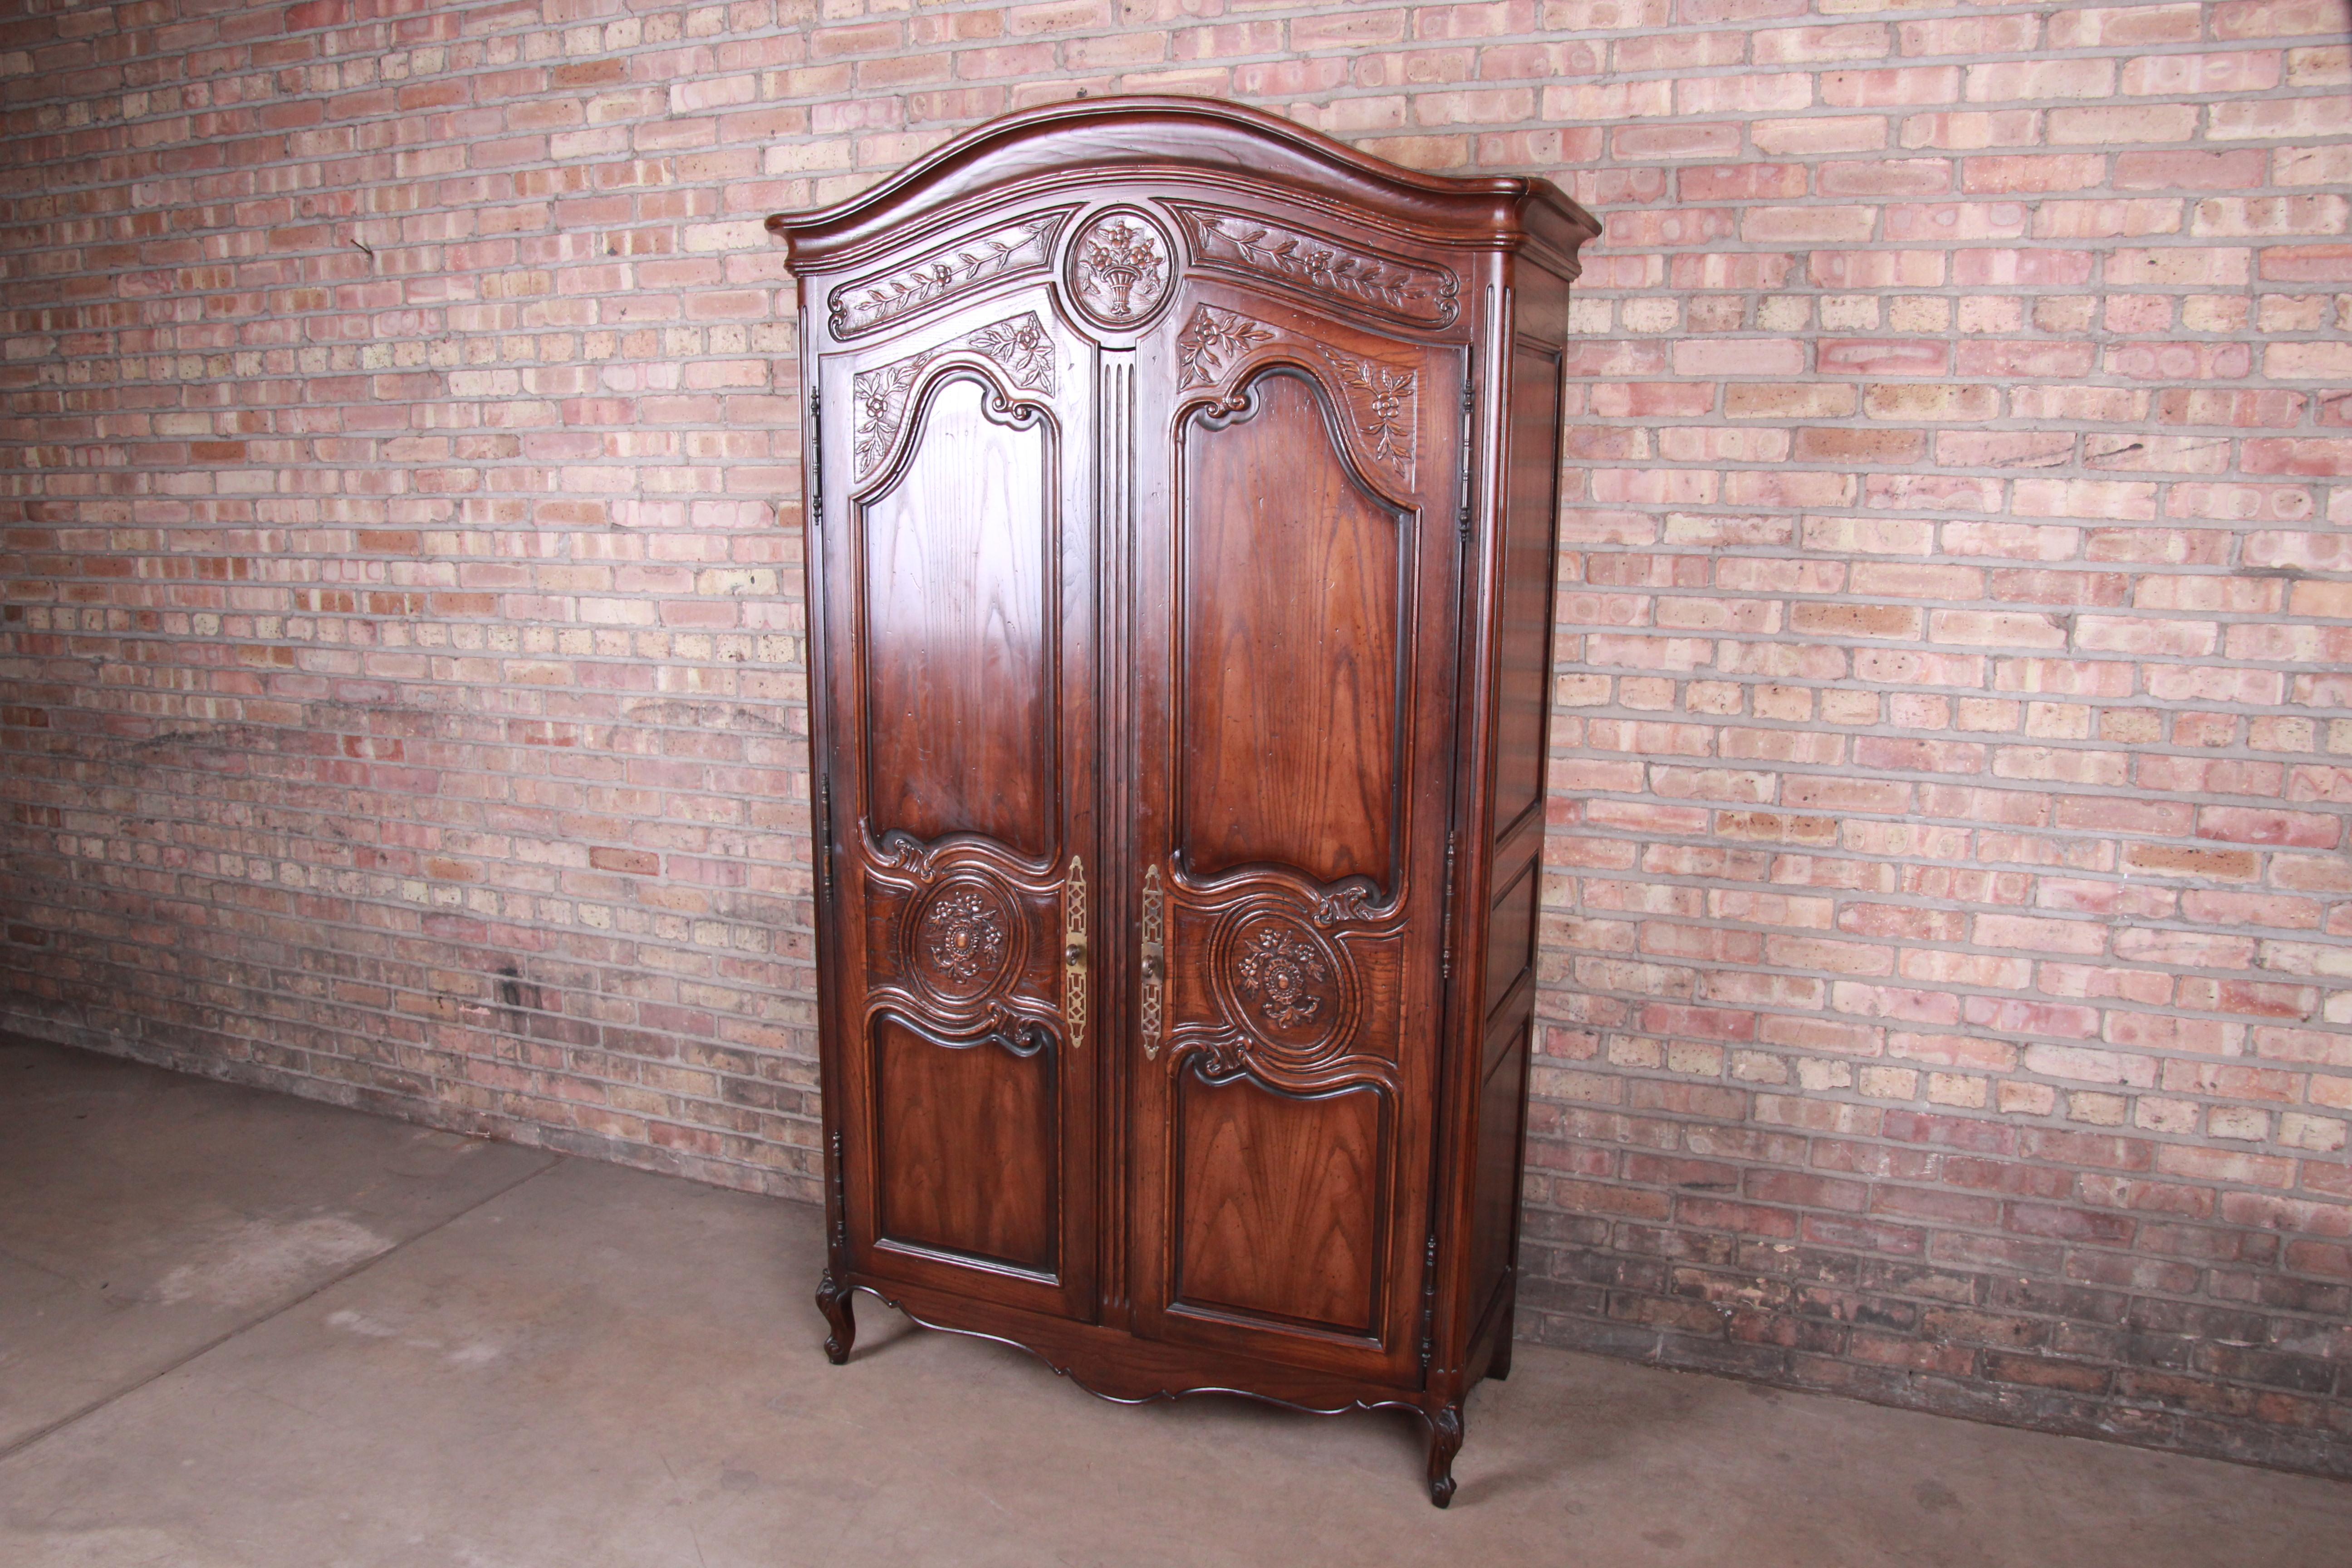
<point>1180,496</point>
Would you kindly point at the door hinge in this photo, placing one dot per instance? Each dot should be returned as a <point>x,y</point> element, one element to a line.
<point>1429,1305</point>
<point>816,459</point>
<point>840,1200</point>
<point>1445,951</point>
<point>824,852</point>
<point>1469,407</point>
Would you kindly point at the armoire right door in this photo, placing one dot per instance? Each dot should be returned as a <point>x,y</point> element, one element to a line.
<point>1296,579</point>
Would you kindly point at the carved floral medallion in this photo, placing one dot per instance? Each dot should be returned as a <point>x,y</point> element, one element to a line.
<point>961,937</point>
<point>1119,268</point>
<point>1281,973</point>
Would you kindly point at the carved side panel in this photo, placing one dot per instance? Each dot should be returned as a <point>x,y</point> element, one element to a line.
<point>1026,244</point>
<point>1316,264</point>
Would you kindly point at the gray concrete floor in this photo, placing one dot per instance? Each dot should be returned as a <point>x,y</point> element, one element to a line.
<point>240,1330</point>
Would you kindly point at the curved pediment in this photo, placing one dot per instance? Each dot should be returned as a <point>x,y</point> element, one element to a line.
<point>1022,154</point>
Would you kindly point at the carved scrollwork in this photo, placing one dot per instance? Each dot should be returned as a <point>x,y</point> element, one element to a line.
<point>1427,296</point>
<point>902,851</point>
<point>1382,400</point>
<point>867,302</point>
<point>1119,268</point>
<point>1022,1037</point>
<point>1350,899</point>
<point>1020,344</point>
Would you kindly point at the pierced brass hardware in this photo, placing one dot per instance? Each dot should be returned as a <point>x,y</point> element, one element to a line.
<point>1155,962</point>
<point>1074,953</point>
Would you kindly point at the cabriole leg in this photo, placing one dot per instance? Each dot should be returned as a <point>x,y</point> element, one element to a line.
<point>835,1303</point>
<point>1444,1442</point>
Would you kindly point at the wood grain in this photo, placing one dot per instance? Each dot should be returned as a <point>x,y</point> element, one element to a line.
<point>1288,743</point>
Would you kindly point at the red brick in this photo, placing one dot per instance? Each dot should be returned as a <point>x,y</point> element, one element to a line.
<point>1992,767</point>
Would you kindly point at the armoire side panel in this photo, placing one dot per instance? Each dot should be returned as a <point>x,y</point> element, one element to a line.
<point>1523,695</point>
<point>1502,1106</point>
<point>1511,934</point>
<point>1523,653</point>
<point>960,697</point>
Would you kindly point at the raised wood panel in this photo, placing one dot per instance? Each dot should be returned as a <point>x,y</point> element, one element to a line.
<point>1511,935</point>
<point>1293,591</point>
<point>1495,1175</point>
<point>1523,649</point>
<point>1279,1213</point>
<point>965,1137</point>
<point>959,635</point>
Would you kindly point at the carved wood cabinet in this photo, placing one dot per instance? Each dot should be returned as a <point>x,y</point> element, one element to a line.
<point>1181,514</point>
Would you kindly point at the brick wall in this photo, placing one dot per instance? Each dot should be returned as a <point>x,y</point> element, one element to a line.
<point>1948,936</point>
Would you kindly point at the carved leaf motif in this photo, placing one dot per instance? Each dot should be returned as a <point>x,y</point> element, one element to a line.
<point>1021,345</point>
<point>1280,974</point>
<point>1212,339</point>
<point>1380,393</point>
<point>882,407</point>
<point>1325,264</point>
<point>865,303</point>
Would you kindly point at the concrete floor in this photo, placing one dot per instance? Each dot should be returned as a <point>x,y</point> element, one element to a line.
<point>240,1329</point>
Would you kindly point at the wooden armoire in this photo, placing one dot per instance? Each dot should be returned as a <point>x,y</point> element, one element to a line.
<point>1180,500</point>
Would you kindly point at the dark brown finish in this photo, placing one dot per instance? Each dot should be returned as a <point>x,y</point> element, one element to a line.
<point>967,1144</point>
<point>1180,504</point>
<point>1291,585</point>
<point>1275,1218</point>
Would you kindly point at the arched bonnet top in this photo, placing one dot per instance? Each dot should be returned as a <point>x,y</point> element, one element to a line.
<point>1025,152</point>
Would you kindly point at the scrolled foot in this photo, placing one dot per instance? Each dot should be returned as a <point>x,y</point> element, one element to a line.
<point>1444,1442</point>
<point>840,1316</point>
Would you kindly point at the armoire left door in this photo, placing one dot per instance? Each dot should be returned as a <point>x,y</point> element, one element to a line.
<point>955,593</point>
